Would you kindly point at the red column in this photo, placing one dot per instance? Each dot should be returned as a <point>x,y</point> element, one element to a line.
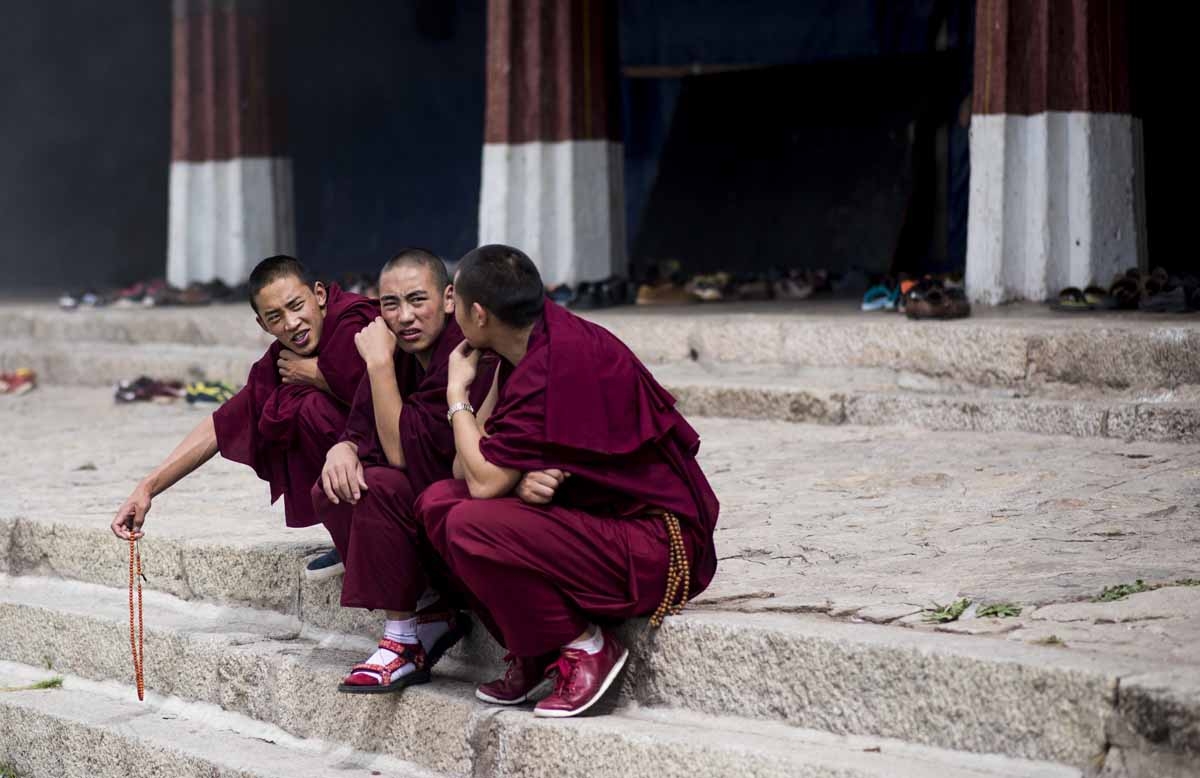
<point>552,159</point>
<point>231,196</point>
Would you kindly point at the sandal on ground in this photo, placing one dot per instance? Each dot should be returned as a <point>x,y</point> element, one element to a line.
<point>1071,300</point>
<point>880,298</point>
<point>358,682</point>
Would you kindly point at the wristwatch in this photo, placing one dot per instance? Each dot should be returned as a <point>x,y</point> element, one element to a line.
<point>453,409</point>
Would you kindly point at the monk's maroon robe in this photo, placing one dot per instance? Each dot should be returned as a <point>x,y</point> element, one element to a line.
<point>389,563</point>
<point>582,402</point>
<point>284,430</point>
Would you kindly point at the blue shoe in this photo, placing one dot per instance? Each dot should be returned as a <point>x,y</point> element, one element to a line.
<point>327,565</point>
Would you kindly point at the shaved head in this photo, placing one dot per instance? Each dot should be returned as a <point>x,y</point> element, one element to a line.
<point>419,257</point>
<point>273,268</point>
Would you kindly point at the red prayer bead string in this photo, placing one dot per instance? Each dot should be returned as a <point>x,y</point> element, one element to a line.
<point>136,640</point>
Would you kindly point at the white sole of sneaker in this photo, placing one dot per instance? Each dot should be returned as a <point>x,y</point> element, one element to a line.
<point>326,572</point>
<point>612,676</point>
<point>498,701</point>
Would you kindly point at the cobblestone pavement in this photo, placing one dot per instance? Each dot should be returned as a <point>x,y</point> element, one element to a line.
<point>861,523</point>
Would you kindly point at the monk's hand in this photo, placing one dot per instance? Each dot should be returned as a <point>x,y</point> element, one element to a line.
<point>376,343</point>
<point>295,369</point>
<point>538,486</point>
<point>132,514</point>
<point>461,373</point>
<point>342,477</point>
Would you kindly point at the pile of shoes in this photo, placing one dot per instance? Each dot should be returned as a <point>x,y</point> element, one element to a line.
<point>164,391</point>
<point>147,389</point>
<point>1153,292</point>
<point>928,297</point>
<point>155,293</point>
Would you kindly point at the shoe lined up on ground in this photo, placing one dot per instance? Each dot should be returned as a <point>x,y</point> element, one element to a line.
<point>1153,292</point>
<point>941,296</point>
<point>155,293</point>
<point>20,381</point>
<point>147,389</point>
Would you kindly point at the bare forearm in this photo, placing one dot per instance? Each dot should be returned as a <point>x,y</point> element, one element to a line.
<point>388,405</point>
<point>197,448</point>
<point>484,480</point>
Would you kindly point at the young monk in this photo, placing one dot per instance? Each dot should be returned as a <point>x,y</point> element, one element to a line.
<point>617,521</point>
<point>397,442</point>
<point>294,405</point>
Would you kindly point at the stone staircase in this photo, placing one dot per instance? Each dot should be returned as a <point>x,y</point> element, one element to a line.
<point>1129,376</point>
<point>243,654</point>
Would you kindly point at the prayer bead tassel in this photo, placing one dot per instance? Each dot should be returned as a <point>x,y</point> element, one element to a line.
<point>136,640</point>
<point>676,595</point>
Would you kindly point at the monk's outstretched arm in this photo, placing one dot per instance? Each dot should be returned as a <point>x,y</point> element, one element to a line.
<point>198,447</point>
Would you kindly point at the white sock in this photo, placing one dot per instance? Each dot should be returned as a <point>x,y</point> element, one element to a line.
<point>401,631</point>
<point>591,644</point>
<point>428,598</point>
<point>431,631</point>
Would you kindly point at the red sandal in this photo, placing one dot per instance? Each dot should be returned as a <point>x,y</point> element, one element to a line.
<point>358,682</point>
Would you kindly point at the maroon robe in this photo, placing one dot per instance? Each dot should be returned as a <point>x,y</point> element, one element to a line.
<point>582,402</point>
<point>388,561</point>
<point>284,430</point>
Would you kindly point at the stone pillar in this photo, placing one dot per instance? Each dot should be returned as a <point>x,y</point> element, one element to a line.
<point>230,183</point>
<point>552,159</point>
<point>1055,151</point>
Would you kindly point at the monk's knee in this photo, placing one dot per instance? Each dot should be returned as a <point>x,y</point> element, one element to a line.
<point>468,522</point>
<point>439,497</point>
<point>319,413</point>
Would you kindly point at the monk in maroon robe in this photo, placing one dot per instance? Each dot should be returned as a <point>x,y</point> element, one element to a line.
<point>294,405</point>
<point>581,500</point>
<point>397,442</point>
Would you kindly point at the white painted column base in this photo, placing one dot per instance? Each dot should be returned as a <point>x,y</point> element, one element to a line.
<point>227,215</point>
<point>560,203</point>
<point>1053,203</point>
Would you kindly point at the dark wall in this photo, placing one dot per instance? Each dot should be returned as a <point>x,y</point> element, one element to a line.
<point>84,143</point>
<point>385,120</point>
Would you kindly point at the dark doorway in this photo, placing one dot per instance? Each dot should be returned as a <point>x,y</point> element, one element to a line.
<point>385,125</point>
<point>86,144</point>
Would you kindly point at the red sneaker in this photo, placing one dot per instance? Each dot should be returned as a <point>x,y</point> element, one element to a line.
<point>583,678</point>
<point>523,675</point>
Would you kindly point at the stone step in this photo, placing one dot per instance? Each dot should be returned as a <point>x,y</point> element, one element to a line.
<point>882,397</point>
<point>86,729</point>
<point>272,670</point>
<point>954,692</point>
<point>1013,346</point>
<point>866,396</point>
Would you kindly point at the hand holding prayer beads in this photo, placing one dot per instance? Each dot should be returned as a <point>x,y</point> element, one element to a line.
<point>131,515</point>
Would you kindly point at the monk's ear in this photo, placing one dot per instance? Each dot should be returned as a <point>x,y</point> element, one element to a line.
<point>448,298</point>
<point>479,314</point>
<point>261,323</point>
<point>320,293</point>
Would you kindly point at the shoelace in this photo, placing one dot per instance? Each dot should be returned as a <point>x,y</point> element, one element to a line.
<point>563,670</point>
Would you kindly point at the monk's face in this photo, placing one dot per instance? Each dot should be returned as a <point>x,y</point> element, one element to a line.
<point>472,319</point>
<point>413,307</point>
<point>292,313</point>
